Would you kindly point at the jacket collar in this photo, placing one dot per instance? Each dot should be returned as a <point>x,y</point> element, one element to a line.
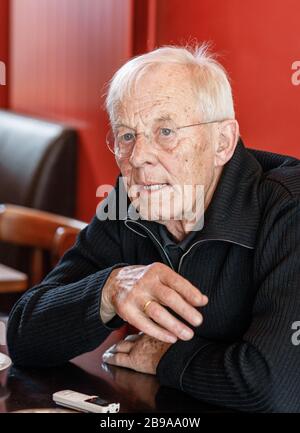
<point>233,214</point>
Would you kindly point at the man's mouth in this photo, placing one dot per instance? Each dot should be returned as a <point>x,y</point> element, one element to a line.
<point>154,187</point>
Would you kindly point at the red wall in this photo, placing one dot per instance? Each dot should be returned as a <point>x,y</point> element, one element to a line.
<point>62,53</point>
<point>258,41</point>
<point>4,20</point>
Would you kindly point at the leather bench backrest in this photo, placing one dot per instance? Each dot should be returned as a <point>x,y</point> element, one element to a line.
<point>37,163</point>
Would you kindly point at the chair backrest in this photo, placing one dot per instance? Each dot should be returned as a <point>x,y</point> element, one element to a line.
<point>42,231</point>
<point>37,163</point>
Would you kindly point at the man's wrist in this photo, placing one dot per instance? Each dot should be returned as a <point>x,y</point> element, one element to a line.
<point>107,311</point>
<point>106,317</point>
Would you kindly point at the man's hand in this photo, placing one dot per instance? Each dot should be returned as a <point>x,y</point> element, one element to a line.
<point>138,352</point>
<point>130,289</point>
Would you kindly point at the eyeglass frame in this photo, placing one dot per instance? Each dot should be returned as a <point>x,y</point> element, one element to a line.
<point>142,132</point>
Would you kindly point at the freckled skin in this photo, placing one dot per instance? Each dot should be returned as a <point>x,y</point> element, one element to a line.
<point>168,90</point>
<point>138,352</point>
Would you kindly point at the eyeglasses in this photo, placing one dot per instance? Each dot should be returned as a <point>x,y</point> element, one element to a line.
<point>163,135</point>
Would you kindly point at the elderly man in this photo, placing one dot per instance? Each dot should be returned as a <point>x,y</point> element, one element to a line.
<point>215,302</point>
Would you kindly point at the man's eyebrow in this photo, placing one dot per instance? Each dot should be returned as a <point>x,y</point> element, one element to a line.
<point>163,117</point>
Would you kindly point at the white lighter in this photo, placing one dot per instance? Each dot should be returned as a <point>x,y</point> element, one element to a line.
<point>84,402</point>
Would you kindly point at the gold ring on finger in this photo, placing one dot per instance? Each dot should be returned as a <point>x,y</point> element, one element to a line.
<point>146,305</point>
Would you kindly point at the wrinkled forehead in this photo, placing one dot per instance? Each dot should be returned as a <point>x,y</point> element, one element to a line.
<point>163,92</point>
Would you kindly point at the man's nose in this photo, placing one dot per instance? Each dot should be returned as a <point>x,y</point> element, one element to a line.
<point>143,151</point>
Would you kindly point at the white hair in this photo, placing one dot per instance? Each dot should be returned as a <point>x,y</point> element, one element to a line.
<point>210,79</point>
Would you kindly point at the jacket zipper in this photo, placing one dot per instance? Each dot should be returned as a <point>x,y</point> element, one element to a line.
<point>205,240</point>
<point>188,251</point>
<point>156,240</point>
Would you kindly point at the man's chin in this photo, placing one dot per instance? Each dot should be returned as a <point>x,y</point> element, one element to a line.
<point>157,216</point>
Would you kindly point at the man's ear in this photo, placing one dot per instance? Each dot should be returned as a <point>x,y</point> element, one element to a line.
<point>226,141</point>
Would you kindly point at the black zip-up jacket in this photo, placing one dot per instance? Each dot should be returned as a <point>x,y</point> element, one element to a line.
<point>246,259</point>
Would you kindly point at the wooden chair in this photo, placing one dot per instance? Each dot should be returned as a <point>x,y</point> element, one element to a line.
<point>42,232</point>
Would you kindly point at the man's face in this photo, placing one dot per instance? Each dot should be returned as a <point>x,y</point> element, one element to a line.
<point>166,92</point>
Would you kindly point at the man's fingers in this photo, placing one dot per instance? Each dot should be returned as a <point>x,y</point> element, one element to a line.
<point>162,317</point>
<point>147,326</point>
<point>119,359</point>
<point>189,292</point>
<point>124,346</point>
<point>175,301</point>
<point>133,337</point>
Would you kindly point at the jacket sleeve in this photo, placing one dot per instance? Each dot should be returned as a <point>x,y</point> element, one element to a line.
<point>60,318</point>
<point>259,373</point>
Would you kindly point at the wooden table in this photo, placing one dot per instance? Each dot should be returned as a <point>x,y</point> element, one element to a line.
<point>136,392</point>
<point>12,280</point>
